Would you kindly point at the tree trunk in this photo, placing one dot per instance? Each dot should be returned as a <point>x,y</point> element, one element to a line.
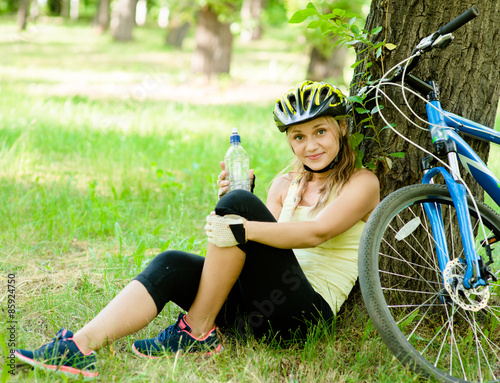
<point>213,44</point>
<point>123,20</point>
<point>176,32</point>
<point>466,72</point>
<point>101,18</point>
<point>251,12</point>
<point>74,9</point>
<point>22,14</point>
<point>322,67</point>
<point>64,6</point>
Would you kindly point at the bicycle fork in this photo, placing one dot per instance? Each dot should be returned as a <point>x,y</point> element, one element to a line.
<point>446,147</point>
<point>472,277</point>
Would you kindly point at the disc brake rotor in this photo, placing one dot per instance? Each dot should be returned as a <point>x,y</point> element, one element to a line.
<point>473,299</point>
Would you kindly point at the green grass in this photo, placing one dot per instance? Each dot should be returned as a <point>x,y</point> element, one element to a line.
<point>100,170</point>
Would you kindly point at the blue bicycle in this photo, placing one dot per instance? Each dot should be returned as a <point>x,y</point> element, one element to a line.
<point>428,258</point>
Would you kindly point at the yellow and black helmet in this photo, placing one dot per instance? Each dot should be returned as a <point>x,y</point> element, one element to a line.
<point>308,101</point>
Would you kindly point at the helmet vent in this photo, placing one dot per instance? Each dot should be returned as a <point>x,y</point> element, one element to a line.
<point>280,107</point>
<point>293,101</point>
<point>324,93</point>
<point>307,97</point>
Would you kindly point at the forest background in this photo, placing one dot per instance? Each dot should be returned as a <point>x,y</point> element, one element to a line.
<point>111,133</point>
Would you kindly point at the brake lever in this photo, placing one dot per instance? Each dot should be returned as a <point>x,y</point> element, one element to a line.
<point>443,41</point>
<point>426,43</point>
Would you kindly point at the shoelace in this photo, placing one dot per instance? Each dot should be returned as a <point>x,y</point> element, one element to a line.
<point>165,334</point>
<point>59,336</point>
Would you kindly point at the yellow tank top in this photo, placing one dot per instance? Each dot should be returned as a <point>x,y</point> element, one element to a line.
<point>332,267</point>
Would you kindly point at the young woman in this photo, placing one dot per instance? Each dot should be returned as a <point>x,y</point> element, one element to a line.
<point>250,280</point>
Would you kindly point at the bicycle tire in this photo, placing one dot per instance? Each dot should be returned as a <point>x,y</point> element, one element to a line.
<point>404,294</point>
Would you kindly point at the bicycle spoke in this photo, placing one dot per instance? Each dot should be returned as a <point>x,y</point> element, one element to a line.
<point>408,277</point>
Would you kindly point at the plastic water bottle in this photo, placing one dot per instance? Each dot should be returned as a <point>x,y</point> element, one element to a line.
<point>237,163</point>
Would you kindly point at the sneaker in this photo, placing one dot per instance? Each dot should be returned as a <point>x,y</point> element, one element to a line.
<point>63,355</point>
<point>177,337</point>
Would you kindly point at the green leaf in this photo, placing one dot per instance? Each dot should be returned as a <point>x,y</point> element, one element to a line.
<point>315,24</point>
<point>356,63</point>
<point>356,138</point>
<point>352,21</point>
<point>355,29</point>
<point>371,166</point>
<point>352,42</point>
<point>359,159</point>
<point>365,120</point>
<point>379,52</point>
<point>393,125</point>
<point>301,15</point>
<point>376,30</point>
<point>390,46</point>
<point>362,110</point>
<point>355,99</point>
<point>377,109</point>
<point>397,154</point>
<point>337,12</point>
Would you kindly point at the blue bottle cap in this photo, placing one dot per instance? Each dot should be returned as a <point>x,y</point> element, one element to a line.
<point>235,137</point>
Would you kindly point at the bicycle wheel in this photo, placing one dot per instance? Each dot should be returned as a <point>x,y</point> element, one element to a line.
<point>453,336</point>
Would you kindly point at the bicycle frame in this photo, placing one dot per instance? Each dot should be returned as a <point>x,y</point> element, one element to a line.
<point>445,126</point>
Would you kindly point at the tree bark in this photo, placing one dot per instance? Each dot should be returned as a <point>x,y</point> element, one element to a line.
<point>466,72</point>
<point>22,14</point>
<point>213,44</point>
<point>176,32</point>
<point>123,20</point>
<point>101,18</point>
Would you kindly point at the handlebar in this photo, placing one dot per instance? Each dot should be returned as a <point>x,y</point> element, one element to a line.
<point>456,23</point>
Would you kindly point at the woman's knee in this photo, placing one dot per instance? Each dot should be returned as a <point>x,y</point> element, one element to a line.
<point>245,204</point>
<point>171,260</point>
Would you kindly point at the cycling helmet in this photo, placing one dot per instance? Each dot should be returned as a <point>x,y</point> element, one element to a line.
<point>308,101</point>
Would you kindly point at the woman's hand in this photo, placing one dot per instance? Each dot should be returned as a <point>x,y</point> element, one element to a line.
<point>226,231</point>
<point>223,182</point>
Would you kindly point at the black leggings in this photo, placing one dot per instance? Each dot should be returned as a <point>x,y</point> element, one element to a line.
<point>272,296</point>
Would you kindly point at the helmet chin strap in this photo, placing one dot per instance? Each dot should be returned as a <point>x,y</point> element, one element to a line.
<point>328,167</point>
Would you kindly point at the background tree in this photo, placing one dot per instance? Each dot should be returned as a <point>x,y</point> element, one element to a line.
<point>123,20</point>
<point>22,14</point>
<point>251,19</point>
<point>101,18</point>
<point>181,17</point>
<point>325,60</point>
<point>467,73</point>
<point>214,38</point>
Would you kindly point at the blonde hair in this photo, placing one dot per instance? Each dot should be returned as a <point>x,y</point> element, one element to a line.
<point>342,171</point>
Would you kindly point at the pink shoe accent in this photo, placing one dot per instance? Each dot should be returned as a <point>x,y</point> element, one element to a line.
<point>144,355</point>
<point>184,324</point>
<point>216,350</point>
<point>65,369</point>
